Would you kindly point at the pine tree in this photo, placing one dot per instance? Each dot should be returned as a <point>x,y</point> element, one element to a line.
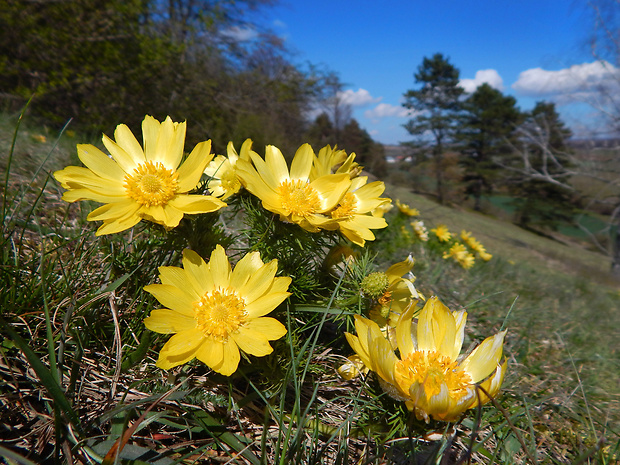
<point>490,119</point>
<point>436,106</point>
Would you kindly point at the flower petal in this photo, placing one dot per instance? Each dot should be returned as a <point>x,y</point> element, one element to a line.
<point>193,204</point>
<point>125,139</point>
<point>230,360</point>
<point>220,268</point>
<point>484,359</point>
<point>198,274</point>
<point>244,269</point>
<point>172,297</point>
<point>211,353</point>
<point>166,321</point>
<point>180,349</point>
<point>192,168</point>
<point>99,163</point>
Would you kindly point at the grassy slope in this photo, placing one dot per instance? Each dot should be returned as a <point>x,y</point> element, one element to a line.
<point>511,242</point>
<point>562,330</point>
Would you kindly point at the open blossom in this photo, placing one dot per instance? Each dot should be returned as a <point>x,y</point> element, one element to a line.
<point>428,374</point>
<point>222,171</point>
<point>406,209</point>
<point>355,208</point>
<point>136,183</point>
<point>442,233</point>
<point>476,246</point>
<point>291,193</point>
<point>420,230</point>
<point>333,161</point>
<point>213,311</point>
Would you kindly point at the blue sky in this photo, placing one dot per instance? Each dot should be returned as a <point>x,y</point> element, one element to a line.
<point>533,50</point>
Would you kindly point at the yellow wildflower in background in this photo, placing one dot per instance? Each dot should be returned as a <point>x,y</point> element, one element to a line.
<point>222,171</point>
<point>406,209</point>
<point>420,230</point>
<point>214,311</point>
<point>136,183</point>
<point>354,210</point>
<point>291,194</point>
<point>475,245</point>
<point>442,233</point>
<point>428,375</point>
<point>460,253</point>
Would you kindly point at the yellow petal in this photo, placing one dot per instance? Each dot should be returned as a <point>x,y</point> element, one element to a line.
<point>177,277</point>
<point>100,163</point>
<point>165,321</point>
<point>198,274</point>
<point>125,139</point>
<point>173,298</point>
<point>75,195</point>
<point>193,204</point>
<point>116,226</point>
<point>331,188</point>
<point>211,353</point>
<point>491,385</point>
<point>276,166</point>
<point>192,168</point>
<point>119,210</point>
<point>265,304</point>
<point>230,360</point>
<point>180,349</point>
<point>437,329</point>
<point>259,282</point>
<point>460,318</point>
<point>271,328</point>
<point>126,161</point>
<point>302,163</point>
<point>244,269</point>
<point>252,342</point>
<point>406,333</point>
<point>483,360</point>
<point>220,267</point>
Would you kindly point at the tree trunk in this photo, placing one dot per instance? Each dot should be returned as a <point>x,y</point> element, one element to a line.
<point>438,155</point>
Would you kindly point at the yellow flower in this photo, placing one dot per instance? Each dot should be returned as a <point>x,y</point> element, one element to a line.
<point>292,194</point>
<point>329,161</point>
<point>428,375</point>
<point>420,230</point>
<point>458,251</point>
<point>353,367</point>
<point>222,171</point>
<point>399,296</point>
<point>136,184</point>
<point>406,209</point>
<point>214,310</point>
<point>476,246</point>
<point>354,210</point>
<point>442,233</point>
<point>382,209</point>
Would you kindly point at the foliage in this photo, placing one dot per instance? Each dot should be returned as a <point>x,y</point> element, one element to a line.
<point>537,202</point>
<point>436,105</point>
<point>489,119</point>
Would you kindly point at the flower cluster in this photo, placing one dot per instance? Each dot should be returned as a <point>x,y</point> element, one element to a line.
<point>323,192</point>
<point>428,373</point>
<point>216,310</point>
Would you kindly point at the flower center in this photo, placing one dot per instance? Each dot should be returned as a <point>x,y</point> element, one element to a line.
<point>220,313</point>
<point>432,370</point>
<point>230,181</point>
<point>151,184</point>
<point>346,208</point>
<point>298,198</point>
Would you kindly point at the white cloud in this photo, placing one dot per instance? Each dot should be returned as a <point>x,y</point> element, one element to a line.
<point>240,34</point>
<point>489,76</point>
<point>587,77</point>
<point>357,98</point>
<point>384,110</point>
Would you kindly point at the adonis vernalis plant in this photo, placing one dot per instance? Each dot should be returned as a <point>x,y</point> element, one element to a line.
<point>214,311</point>
<point>140,183</point>
<point>428,375</point>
